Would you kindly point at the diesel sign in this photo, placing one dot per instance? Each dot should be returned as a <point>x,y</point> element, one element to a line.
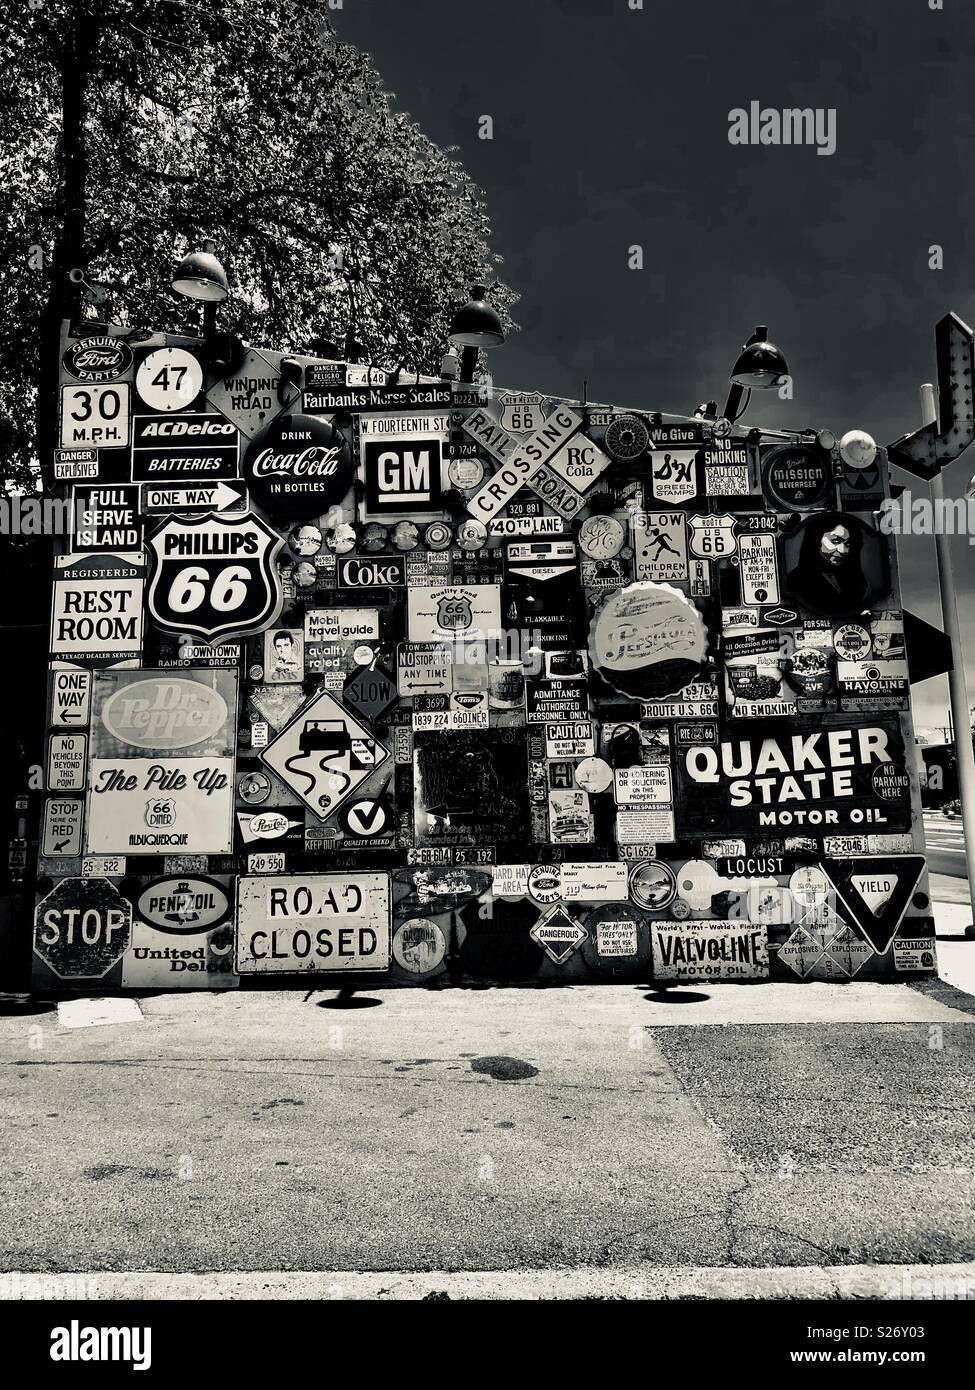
<point>401,476</point>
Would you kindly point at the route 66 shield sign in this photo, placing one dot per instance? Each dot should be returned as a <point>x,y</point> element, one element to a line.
<point>712,537</point>
<point>214,576</point>
<point>521,412</point>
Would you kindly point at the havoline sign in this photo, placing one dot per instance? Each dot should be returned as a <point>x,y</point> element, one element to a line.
<point>214,575</point>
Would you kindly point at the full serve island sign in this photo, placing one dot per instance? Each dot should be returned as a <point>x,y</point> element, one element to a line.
<point>364,680</point>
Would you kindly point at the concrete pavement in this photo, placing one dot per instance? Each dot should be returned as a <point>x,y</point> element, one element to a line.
<point>489,1130</point>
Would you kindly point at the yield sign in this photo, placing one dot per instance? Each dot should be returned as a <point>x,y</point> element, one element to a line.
<point>558,933</point>
<point>873,891</point>
<point>324,755</point>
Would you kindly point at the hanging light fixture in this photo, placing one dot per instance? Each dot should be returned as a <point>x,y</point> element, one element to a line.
<point>474,326</point>
<point>201,276</point>
<point>759,367</point>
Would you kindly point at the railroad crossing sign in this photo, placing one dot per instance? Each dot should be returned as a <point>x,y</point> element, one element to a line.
<point>324,755</point>
<point>82,928</point>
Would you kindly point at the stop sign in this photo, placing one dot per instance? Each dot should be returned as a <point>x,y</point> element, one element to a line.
<point>82,928</point>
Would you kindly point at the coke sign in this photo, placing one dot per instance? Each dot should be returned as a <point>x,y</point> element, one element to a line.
<point>298,467</point>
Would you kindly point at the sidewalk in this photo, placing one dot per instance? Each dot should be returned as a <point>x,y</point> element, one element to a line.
<point>952,914</point>
<point>487,1130</point>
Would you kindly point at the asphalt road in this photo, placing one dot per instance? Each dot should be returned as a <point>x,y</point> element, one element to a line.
<point>492,1130</point>
<point>945,845</point>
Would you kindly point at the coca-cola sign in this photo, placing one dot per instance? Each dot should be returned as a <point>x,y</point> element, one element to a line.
<point>298,467</point>
<point>97,359</point>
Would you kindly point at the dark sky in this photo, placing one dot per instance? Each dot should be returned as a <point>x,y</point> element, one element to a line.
<point>611,129</point>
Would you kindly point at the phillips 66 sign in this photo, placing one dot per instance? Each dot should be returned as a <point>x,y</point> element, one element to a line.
<point>214,575</point>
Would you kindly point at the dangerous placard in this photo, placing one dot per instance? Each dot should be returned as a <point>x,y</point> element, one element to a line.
<point>82,928</point>
<point>325,755</point>
<point>313,923</point>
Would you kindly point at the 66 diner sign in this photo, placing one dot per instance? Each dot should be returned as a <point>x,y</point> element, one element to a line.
<point>214,575</point>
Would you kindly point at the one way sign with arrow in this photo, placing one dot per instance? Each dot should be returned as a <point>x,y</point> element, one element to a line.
<point>194,497</point>
<point>873,892</point>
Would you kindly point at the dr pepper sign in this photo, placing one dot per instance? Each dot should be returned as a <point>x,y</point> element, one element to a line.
<point>214,575</point>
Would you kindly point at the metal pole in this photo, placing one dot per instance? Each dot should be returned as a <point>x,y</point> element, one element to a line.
<point>956,676</point>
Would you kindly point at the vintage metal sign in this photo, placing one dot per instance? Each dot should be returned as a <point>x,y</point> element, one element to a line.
<point>97,609</point>
<point>82,928</point>
<point>325,755</point>
<point>214,575</point>
<point>184,448</point>
<point>314,923</point>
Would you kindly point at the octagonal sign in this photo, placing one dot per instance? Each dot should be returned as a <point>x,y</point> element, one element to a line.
<point>82,928</point>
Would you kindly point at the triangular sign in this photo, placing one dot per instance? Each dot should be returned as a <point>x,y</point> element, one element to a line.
<point>873,891</point>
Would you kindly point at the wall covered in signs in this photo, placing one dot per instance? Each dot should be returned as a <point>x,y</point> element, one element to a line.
<point>403,681</point>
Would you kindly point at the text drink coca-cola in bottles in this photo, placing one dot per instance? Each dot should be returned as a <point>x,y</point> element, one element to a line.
<point>298,467</point>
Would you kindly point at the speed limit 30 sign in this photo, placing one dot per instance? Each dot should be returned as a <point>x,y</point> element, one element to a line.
<point>214,575</point>
<point>95,416</point>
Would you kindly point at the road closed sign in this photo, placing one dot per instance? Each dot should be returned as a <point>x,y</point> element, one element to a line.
<point>313,923</point>
<point>82,928</point>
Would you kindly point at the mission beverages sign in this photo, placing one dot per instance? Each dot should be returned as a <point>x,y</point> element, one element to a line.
<point>825,778</point>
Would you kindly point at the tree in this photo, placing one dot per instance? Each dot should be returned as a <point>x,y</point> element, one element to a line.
<point>144,126</point>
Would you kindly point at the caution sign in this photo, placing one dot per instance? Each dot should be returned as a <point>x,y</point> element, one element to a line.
<point>313,923</point>
<point>873,892</point>
<point>82,928</point>
<point>325,755</point>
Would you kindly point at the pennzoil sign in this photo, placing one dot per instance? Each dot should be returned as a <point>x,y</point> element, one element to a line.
<point>214,575</point>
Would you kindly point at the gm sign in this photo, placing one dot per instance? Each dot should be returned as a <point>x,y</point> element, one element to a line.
<point>401,476</point>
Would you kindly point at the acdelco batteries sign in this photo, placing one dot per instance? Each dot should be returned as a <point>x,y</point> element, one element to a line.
<point>171,448</point>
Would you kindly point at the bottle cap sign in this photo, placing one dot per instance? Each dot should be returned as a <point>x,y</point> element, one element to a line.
<point>647,640</point>
<point>298,467</point>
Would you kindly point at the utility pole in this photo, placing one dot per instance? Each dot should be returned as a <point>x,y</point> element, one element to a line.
<point>959,711</point>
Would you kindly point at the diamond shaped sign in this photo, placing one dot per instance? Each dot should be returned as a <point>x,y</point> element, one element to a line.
<point>558,934</point>
<point>800,953</point>
<point>324,755</point>
<point>249,398</point>
<point>370,691</point>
